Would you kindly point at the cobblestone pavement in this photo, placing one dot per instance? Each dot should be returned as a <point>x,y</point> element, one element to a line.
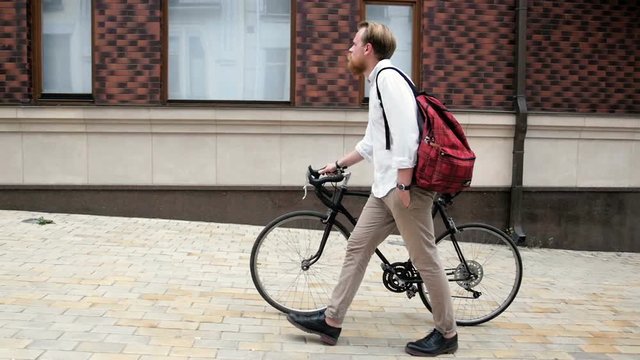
<point>91,287</point>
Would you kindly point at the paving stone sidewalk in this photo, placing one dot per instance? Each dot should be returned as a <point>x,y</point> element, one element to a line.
<point>93,287</point>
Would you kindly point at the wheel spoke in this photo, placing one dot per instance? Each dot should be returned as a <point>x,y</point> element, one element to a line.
<point>494,259</point>
<point>276,262</point>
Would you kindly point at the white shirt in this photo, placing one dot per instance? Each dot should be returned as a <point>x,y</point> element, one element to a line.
<point>401,109</point>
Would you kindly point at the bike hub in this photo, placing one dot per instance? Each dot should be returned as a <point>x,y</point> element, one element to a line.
<point>471,278</point>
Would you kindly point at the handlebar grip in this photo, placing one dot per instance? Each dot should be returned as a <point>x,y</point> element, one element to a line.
<point>312,172</point>
<point>316,179</point>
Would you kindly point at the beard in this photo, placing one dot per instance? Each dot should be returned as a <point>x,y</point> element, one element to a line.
<point>356,67</point>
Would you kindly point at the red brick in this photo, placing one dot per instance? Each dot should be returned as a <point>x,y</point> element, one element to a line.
<point>580,57</point>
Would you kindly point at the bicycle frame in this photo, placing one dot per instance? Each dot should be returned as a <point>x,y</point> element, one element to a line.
<point>333,201</point>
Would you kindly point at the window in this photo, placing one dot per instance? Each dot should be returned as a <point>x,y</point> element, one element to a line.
<point>64,45</point>
<point>52,5</point>
<point>400,19</point>
<point>276,7</point>
<point>229,50</point>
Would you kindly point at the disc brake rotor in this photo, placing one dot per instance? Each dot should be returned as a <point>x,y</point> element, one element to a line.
<point>472,278</point>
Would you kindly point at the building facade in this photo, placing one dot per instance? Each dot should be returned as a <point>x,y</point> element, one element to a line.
<point>212,109</point>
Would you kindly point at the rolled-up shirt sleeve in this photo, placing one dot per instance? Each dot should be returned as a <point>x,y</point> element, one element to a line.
<point>365,146</point>
<point>401,110</point>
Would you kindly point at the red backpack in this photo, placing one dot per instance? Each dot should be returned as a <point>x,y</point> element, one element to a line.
<point>445,160</point>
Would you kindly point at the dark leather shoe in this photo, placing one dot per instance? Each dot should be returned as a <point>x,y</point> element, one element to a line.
<point>433,344</point>
<point>315,324</point>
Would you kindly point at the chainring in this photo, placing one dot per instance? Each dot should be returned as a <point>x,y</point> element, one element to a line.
<point>398,277</point>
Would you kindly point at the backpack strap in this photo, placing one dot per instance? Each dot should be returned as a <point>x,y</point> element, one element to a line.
<point>387,132</point>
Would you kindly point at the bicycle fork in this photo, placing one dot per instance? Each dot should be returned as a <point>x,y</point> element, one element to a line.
<point>329,221</point>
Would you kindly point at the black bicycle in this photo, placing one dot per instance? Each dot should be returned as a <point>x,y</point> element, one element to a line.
<point>296,259</point>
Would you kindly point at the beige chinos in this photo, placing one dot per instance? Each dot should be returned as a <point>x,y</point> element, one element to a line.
<point>379,217</point>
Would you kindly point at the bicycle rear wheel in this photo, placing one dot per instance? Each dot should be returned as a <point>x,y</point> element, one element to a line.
<point>277,259</point>
<point>493,259</point>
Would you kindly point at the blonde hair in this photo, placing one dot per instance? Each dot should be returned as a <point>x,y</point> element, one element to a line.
<point>380,37</point>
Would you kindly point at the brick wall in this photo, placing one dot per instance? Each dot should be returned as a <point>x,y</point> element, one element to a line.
<point>15,81</point>
<point>584,56</point>
<point>468,53</point>
<point>467,58</point>
<point>128,52</point>
<point>324,31</point>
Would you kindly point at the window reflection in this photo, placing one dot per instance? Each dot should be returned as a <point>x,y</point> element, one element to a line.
<point>229,49</point>
<point>399,18</point>
<point>66,46</point>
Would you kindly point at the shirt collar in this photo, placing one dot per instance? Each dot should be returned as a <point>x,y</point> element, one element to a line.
<point>381,64</point>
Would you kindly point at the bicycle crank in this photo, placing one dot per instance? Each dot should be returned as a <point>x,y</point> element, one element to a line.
<point>399,277</point>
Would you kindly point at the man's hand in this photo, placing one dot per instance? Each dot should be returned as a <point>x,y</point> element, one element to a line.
<point>350,159</point>
<point>405,197</point>
<point>330,168</point>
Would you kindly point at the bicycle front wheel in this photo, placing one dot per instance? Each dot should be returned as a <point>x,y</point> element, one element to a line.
<point>280,257</point>
<point>488,284</point>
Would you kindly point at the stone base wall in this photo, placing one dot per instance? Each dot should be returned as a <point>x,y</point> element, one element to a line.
<point>581,177</point>
<point>587,219</point>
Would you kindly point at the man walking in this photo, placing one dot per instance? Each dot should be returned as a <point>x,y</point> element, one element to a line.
<point>394,202</point>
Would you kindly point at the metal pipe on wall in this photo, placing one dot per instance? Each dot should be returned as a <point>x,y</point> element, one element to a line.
<point>515,209</point>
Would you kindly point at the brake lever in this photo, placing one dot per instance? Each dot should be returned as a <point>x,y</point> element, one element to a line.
<point>316,174</point>
<point>305,190</point>
<point>310,172</point>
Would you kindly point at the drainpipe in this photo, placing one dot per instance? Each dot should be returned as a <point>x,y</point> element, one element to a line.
<point>515,211</point>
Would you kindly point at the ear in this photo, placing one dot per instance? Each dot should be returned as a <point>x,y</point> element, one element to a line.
<point>368,48</point>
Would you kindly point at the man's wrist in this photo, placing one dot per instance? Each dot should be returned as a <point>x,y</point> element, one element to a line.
<point>403,187</point>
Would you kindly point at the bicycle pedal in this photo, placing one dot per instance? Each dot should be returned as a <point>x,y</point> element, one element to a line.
<point>411,292</point>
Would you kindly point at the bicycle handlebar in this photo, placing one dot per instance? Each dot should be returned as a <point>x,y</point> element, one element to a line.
<point>316,179</point>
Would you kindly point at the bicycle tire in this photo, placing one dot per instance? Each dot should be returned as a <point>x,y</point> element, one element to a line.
<point>276,261</point>
<point>490,252</point>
